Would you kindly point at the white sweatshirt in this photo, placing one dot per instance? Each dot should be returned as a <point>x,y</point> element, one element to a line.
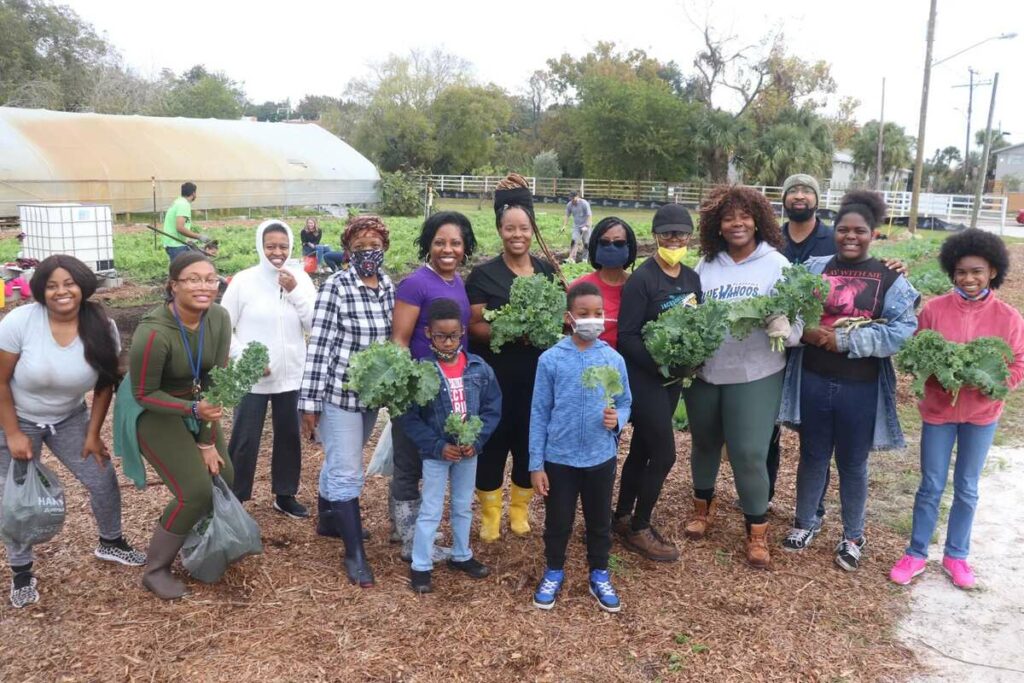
<point>744,360</point>
<point>261,310</point>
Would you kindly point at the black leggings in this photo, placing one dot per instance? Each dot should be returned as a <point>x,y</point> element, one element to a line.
<point>512,434</point>
<point>652,450</point>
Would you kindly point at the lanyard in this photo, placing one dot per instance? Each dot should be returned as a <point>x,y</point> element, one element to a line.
<point>194,364</point>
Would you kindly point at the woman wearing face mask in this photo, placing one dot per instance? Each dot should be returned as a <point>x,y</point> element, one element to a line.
<point>488,287</point>
<point>310,236</point>
<point>657,285</point>
<point>273,305</point>
<point>734,400</point>
<point>611,251</point>
<point>353,310</point>
<point>445,242</point>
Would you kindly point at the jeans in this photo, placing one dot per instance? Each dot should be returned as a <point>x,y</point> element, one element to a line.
<point>775,459</point>
<point>334,259</point>
<point>405,483</point>
<point>244,446</point>
<point>344,433</point>
<point>172,252</point>
<point>592,486</point>
<point>436,474</point>
<point>837,415</point>
<point>972,444</point>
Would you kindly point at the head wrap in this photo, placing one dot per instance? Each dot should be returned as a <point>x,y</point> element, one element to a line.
<point>362,223</point>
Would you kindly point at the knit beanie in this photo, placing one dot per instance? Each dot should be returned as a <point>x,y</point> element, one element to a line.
<point>801,179</point>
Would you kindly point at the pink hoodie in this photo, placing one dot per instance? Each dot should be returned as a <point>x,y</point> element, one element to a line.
<point>959,320</point>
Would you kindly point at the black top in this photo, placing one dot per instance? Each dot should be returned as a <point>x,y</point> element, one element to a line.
<point>309,238</point>
<point>489,284</point>
<point>858,290</point>
<point>821,242</point>
<point>647,294</point>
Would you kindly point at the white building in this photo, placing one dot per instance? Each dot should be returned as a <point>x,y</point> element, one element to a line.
<point>1009,161</point>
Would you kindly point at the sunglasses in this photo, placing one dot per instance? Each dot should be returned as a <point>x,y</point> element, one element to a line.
<point>612,243</point>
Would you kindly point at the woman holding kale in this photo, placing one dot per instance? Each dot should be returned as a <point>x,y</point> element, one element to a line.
<point>488,287</point>
<point>976,262</point>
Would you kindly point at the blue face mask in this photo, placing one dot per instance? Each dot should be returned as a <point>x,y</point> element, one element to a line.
<point>981,295</point>
<point>612,255</point>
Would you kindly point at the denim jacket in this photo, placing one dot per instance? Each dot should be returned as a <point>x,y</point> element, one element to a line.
<point>425,424</point>
<point>879,341</point>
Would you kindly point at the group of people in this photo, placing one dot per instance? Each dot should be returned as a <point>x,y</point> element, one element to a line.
<point>835,385</point>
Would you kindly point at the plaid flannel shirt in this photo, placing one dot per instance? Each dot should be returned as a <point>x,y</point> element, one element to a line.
<point>348,317</point>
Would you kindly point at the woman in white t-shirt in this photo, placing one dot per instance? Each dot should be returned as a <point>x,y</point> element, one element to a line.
<point>52,353</point>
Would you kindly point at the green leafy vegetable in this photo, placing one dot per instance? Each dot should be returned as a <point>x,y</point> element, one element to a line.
<point>385,376</point>
<point>465,431</point>
<point>228,385</point>
<point>534,312</point>
<point>607,379</point>
<point>981,363</point>
<point>683,337</point>
<point>798,294</point>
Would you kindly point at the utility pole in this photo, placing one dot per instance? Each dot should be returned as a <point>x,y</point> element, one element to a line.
<point>970,104</point>
<point>881,142</point>
<point>983,171</point>
<point>919,162</point>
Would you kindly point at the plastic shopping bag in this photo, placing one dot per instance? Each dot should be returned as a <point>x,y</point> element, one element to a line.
<point>221,538</point>
<point>383,460</point>
<point>310,263</point>
<point>32,510</point>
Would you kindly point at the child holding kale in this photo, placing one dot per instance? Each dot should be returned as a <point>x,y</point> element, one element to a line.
<point>573,442</point>
<point>449,432</point>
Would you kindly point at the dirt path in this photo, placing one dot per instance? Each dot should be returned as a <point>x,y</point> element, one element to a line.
<point>977,635</point>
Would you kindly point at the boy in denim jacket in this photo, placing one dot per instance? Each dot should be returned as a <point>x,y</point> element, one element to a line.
<point>468,389</point>
<point>573,443</point>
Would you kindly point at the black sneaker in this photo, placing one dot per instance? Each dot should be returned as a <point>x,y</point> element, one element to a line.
<point>287,505</point>
<point>120,551</point>
<point>420,582</point>
<point>799,539</point>
<point>475,569</point>
<point>848,553</point>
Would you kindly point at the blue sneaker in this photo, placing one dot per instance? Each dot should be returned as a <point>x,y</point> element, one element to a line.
<point>601,588</point>
<point>547,589</point>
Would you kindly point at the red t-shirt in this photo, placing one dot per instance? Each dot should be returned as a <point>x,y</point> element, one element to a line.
<point>453,376</point>
<point>612,295</point>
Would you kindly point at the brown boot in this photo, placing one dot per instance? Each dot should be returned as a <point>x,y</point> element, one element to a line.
<point>700,522</point>
<point>163,548</point>
<point>757,546</point>
<point>620,526</point>
<point>651,545</point>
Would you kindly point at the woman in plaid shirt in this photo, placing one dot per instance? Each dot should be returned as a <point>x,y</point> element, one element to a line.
<point>353,310</point>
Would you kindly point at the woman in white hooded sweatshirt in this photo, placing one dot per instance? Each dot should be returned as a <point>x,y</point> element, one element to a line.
<point>272,304</point>
<point>734,400</point>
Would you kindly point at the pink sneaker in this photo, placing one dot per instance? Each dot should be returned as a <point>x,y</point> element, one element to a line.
<point>959,571</point>
<point>904,571</point>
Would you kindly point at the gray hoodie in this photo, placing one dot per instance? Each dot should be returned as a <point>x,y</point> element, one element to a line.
<point>744,360</point>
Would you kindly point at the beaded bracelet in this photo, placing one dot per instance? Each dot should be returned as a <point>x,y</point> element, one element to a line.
<point>195,409</point>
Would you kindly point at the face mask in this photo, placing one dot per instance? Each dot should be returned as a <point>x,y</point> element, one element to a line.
<point>446,356</point>
<point>611,255</point>
<point>672,256</point>
<point>367,263</point>
<point>981,295</point>
<point>587,329</point>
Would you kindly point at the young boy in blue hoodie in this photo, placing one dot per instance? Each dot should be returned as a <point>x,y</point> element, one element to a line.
<point>468,389</point>
<point>574,438</point>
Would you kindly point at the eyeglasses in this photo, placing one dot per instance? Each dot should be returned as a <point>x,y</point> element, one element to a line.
<point>801,189</point>
<point>675,235</point>
<point>194,282</point>
<point>612,243</point>
<point>438,338</point>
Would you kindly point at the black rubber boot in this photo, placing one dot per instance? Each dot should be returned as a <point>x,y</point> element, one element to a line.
<point>325,521</point>
<point>349,525</point>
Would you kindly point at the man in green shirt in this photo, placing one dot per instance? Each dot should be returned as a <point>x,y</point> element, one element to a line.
<point>178,222</point>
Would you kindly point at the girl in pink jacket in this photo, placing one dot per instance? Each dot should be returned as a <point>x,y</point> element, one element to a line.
<point>976,262</point>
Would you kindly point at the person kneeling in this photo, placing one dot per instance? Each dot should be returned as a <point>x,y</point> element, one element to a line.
<point>469,391</point>
<point>573,442</point>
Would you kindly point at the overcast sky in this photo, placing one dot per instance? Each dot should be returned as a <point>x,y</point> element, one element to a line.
<point>290,49</point>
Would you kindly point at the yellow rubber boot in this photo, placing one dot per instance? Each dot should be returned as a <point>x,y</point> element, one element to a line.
<point>490,515</point>
<point>519,509</point>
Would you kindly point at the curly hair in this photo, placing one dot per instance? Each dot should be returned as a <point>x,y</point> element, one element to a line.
<point>724,199</point>
<point>363,223</point>
<point>975,242</point>
<point>435,222</point>
<point>870,205</point>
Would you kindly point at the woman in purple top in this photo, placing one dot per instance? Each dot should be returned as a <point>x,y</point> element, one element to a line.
<point>445,242</point>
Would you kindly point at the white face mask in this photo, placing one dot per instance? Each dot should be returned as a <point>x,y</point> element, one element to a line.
<point>587,329</point>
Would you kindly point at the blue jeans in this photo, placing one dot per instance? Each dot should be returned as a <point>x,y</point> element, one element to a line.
<point>972,444</point>
<point>436,474</point>
<point>172,252</point>
<point>324,254</point>
<point>344,433</point>
<point>836,415</point>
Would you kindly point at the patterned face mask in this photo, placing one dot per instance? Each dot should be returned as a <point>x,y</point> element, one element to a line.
<point>368,262</point>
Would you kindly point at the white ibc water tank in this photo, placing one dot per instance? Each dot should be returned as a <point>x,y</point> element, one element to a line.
<point>85,231</point>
